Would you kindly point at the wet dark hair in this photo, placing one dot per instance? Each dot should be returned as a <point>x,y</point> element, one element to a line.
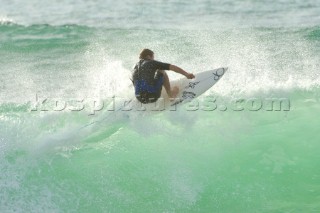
<point>145,52</point>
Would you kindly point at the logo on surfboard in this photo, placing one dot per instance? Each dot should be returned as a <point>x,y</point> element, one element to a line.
<point>217,75</point>
<point>192,85</point>
<point>186,95</point>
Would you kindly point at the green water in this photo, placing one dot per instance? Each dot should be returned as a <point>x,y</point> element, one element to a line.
<point>221,160</point>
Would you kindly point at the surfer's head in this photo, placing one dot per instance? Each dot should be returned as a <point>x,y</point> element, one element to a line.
<point>146,54</point>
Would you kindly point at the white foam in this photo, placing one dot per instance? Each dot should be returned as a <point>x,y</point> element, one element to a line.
<point>6,20</point>
<point>106,74</point>
<point>258,61</point>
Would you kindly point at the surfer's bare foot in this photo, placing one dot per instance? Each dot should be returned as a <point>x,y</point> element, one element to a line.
<point>174,92</point>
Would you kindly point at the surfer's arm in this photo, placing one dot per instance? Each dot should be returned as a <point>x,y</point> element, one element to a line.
<point>181,71</point>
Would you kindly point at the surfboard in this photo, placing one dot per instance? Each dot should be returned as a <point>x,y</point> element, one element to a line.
<point>188,89</point>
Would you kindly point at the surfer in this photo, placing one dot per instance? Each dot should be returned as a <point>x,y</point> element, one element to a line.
<point>149,76</point>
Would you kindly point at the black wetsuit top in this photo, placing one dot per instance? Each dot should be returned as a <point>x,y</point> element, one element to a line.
<point>147,80</point>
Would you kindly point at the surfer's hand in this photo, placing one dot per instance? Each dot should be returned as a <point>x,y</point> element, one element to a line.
<point>190,76</point>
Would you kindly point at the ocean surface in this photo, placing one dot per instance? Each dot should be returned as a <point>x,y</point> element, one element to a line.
<point>62,149</point>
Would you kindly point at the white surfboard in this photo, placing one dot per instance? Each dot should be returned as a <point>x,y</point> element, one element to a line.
<point>188,90</point>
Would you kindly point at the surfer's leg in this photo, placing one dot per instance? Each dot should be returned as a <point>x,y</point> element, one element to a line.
<point>166,83</point>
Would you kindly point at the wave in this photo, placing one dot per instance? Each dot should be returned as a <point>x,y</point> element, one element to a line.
<point>83,61</point>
